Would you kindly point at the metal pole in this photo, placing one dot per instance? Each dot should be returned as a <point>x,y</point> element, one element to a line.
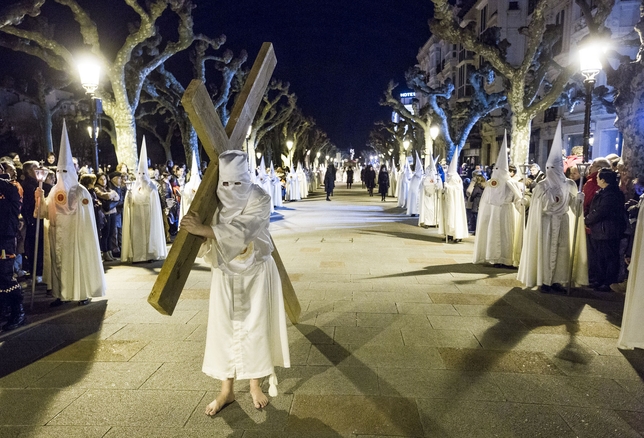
<point>94,116</point>
<point>590,85</point>
<point>34,267</point>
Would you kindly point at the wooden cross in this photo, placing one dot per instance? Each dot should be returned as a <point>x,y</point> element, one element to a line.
<point>215,139</point>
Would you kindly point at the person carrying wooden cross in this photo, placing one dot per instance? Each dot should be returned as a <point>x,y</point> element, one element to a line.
<point>246,336</point>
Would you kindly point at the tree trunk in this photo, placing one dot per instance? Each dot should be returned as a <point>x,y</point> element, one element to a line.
<point>520,139</point>
<point>630,121</point>
<point>47,126</point>
<point>429,146</point>
<point>126,150</point>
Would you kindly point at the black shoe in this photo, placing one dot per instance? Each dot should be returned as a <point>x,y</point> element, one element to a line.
<point>602,288</point>
<point>12,325</point>
<point>327,198</point>
<point>57,303</point>
<point>498,265</point>
<point>85,302</point>
<point>544,288</point>
<point>558,288</point>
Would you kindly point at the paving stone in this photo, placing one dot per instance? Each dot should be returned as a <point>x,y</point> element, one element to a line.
<point>426,309</point>
<point>497,361</point>
<point>98,350</point>
<point>180,376</point>
<point>27,375</point>
<point>172,432</point>
<point>498,310</point>
<point>601,346</point>
<point>53,431</point>
<point>321,380</point>
<point>589,422</point>
<point>312,334</point>
<point>634,419</point>
<point>378,415</point>
<point>22,407</point>
<point>367,336</point>
<point>582,328</point>
<point>426,277</point>
<point>153,332</point>
<point>565,390</point>
<point>611,367</point>
<point>480,419</point>
<point>300,424</point>
<point>241,414</point>
<point>177,351</point>
<point>440,338</point>
<point>477,288</point>
<point>150,316</point>
<point>550,344</point>
<point>393,296</point>
<point>134,408</point>
<point>446,384</point>
<point>474,323</point>
<point>393,320</point>
<point>370,307</point>
<point>194,294</point>
<point>97,375</point>
<point>336,319</point>
<point>460,298</point>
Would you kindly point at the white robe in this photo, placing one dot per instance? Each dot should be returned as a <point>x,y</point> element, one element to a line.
<point>413,194</point>
<point>393,183</point>
<point>73,268</point>
<point>495,227</point>
<point>404,176</point>
<point>246,335</point>
<point>631,334</point>
<point>143,232</point>
<point>547,243</point>
<point>292,188</point>
<point>430,210</point>
<point>455,215</point>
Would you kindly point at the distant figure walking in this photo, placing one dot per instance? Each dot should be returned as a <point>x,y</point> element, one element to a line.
<point>383,182</point>
<point>349,177</point>
<point>329,181</point>
<point>370,179</point>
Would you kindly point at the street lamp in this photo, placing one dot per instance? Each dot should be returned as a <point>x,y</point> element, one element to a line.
<point>89,71</point>
<point>590,65</point>
<point>434,131</point>
<point>406,145</point>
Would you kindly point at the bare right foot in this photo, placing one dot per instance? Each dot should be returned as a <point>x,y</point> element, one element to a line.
<point>222,400</point>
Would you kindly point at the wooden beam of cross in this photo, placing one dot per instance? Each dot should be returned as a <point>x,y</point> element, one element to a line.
<point>215,139</point>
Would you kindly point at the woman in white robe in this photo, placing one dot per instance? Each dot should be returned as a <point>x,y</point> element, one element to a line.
<point>246,335</point>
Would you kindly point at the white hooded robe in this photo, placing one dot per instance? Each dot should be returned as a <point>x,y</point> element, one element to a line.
<point>143,232</point>
<point>430,211</point>
<point>455,215</point>
<point>413,191</point>
<point>73,270</point>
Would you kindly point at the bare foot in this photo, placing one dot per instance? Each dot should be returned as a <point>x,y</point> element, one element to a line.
<point>222,400</point>
<point>259,398</point>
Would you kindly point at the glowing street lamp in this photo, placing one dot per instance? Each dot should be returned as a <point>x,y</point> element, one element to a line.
<point>89,71</point>
<point>289,146</point>
<point>258,155</point>
<point>590,66</point>
<point>434,131</point>
<point>406,145</point>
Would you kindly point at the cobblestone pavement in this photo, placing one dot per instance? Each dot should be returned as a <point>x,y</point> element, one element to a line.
<point>400,335</point>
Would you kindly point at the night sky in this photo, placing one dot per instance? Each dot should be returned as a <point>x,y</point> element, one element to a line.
<point>338,55</point>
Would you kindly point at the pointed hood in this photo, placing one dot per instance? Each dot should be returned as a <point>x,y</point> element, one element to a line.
<point>143,182</point>
<point>273,173</point>
<point>430,170</point>
<point>195,179</point>
<point>556,196</point>
<point>497,187</point>
<point>262,167</point>
<point>67,181</point>
<point>418,168</point>
<point>65,168</point>
<point>453,166</point>
<point>554,165</point>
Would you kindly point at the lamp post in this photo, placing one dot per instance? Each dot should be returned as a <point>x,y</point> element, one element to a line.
<point>41,175</point>
<point>433,133</point>
<point>90,71</point>
<point>590,66</point>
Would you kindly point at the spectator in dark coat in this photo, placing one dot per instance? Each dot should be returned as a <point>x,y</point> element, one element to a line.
<point>329,181</point>
<point>349,177</point>
<point>475,200</point>
<point>607,223</point>
<point>383,182</point>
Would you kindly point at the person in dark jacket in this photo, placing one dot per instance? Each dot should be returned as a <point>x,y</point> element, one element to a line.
<point>10,290</point>
<point>329,181</point>
<point>383,182</point>
<point>349,177</point>
<point>29,186</point>
<point>607,224</point>
<point>370,179</point>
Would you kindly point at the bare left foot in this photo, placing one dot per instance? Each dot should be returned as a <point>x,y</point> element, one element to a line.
<point>259,398</point>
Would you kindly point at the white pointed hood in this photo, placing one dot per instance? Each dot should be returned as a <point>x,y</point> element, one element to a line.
<point>192,185</point>
<point>143,185</point>
<point>430,170</point>
<point>262,168</point>
<point>273,173</point>
<point>556,193</point>
<point>497,186</point>
<point>418,168</point>
<point>452,170</point>
<point>63,192</point>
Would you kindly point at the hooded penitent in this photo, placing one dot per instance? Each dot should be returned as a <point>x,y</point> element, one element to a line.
<point>73,268</point>
<point>276,187</point>
<point>191,187</point>
<point>455,223</point>
<point>234,184</point>
<point>143,231</point>
<point>497,185</point>
<point>557,195</point>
